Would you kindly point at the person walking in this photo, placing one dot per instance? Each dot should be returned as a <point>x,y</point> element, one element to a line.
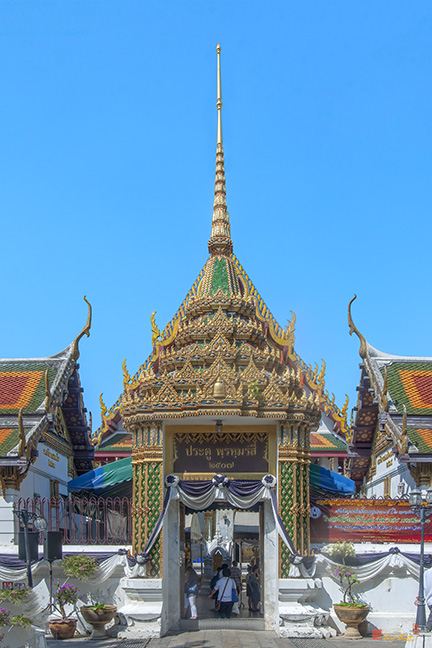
<point>191,591</point>
<point>236,574</point>
<point>224,589</point>
<point>254,585</point>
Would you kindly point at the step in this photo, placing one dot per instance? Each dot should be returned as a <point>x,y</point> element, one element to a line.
<point>216,623</point>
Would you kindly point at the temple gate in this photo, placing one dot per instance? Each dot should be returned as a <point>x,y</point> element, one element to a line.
<point>223,394</point>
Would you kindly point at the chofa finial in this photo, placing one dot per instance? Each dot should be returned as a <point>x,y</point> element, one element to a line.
<point>354,329</point>
<point>85,331</point>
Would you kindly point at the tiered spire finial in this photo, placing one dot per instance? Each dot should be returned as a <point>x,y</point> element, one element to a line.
<point>220,241</point>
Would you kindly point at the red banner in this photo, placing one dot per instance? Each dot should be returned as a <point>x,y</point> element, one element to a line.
<point>366,520</point>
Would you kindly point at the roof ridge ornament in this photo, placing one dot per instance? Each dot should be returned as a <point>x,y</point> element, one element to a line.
<point>85,331</point>
<point>48,395</point>
<point>220,240</point>
<point>21,434</point>
<point>354,329</point>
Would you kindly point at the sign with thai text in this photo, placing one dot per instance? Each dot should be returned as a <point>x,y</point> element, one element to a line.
<point>220,453</point>
<point>366,520</point>
<point>53,456</point>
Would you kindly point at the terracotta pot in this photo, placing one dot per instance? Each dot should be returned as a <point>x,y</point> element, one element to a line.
<point>352,617</point>
<point>98,618</point>
<point>63,628</point>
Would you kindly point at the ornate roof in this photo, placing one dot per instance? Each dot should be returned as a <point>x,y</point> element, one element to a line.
<point>222,340</point>
<point>40,396</point>
<point>395,395</point>
<point>327,443</point>
<point>409,384</point>
<point>117,442</point>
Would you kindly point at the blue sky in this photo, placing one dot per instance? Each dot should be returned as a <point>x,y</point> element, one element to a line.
<point>108,137</point>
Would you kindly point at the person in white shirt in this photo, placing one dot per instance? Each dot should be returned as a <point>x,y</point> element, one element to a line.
<point>224,589</point>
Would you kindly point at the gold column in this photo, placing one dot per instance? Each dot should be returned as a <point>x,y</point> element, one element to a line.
<point>148,491</point>
<point>293,479</point>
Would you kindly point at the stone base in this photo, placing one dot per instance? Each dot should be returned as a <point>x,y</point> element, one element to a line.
<point>142,609</point>
<point>298,616</point>
<point>420,641</point>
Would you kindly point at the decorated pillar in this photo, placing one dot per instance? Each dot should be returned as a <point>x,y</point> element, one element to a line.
<point>294,507</point>
<point>147,464</point>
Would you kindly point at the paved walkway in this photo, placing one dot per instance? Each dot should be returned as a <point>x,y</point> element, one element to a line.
<point>225,639</point>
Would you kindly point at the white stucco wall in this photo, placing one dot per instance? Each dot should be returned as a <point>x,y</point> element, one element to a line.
<point>388,465</point>
<point>49,465</point>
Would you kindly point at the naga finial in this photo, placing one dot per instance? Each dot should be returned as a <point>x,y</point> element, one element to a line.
<point>104,409</point>
<point>155,330</point>
<point>48,395</point>
<point>314,373</point>
<point>291,324</point>
<point>21,434</point>
<point>404,436</point>
<point>354,329</point>
<point>384,398</point>
<point>320,377</point>
<point>126,375</point>
<point>85,331</point>
<point>344,410</point>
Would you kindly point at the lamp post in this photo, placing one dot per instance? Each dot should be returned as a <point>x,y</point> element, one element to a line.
<point>421,503</point>
<point>40,524</point>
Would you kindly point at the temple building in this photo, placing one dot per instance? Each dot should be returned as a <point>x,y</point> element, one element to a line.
<point>219,419</point>
<point>44,434</point>
<point>390,450</point>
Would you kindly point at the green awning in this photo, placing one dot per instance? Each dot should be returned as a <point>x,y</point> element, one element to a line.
<point>104,477</point>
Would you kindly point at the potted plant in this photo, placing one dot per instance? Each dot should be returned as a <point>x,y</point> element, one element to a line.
<point>349,611</point>
<point>98,616</point>
<point>339,551</point>
<point>85,568</point>
<point>65,627</point>
<point>9,620</point>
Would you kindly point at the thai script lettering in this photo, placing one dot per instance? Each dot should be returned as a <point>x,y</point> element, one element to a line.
<point>51,455</point>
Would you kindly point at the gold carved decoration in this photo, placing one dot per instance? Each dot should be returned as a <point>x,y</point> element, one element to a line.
<point>403,443</point>
<point>126,375</point>
<point>214,437</point>
<point>12,476</point>
<point>154,328</point>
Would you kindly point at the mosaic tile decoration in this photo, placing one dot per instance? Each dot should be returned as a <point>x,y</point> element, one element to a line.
<point>321,441</point>
<point>117,442</point>
<point>422,438</point>
<point>410,384</point>
<point>22,385</point>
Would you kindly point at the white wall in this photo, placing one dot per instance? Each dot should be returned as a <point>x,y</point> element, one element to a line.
<point>37,481</point>
<point>388,465</point>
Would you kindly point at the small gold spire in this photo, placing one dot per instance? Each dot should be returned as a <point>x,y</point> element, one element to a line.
<point>219,96</point>
<point>220,240</point>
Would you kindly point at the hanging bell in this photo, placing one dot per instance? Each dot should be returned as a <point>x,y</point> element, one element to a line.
<point>219,390</point>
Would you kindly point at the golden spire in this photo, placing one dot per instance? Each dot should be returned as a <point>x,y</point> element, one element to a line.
<point>219,97</point>
<point>220,241</point>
